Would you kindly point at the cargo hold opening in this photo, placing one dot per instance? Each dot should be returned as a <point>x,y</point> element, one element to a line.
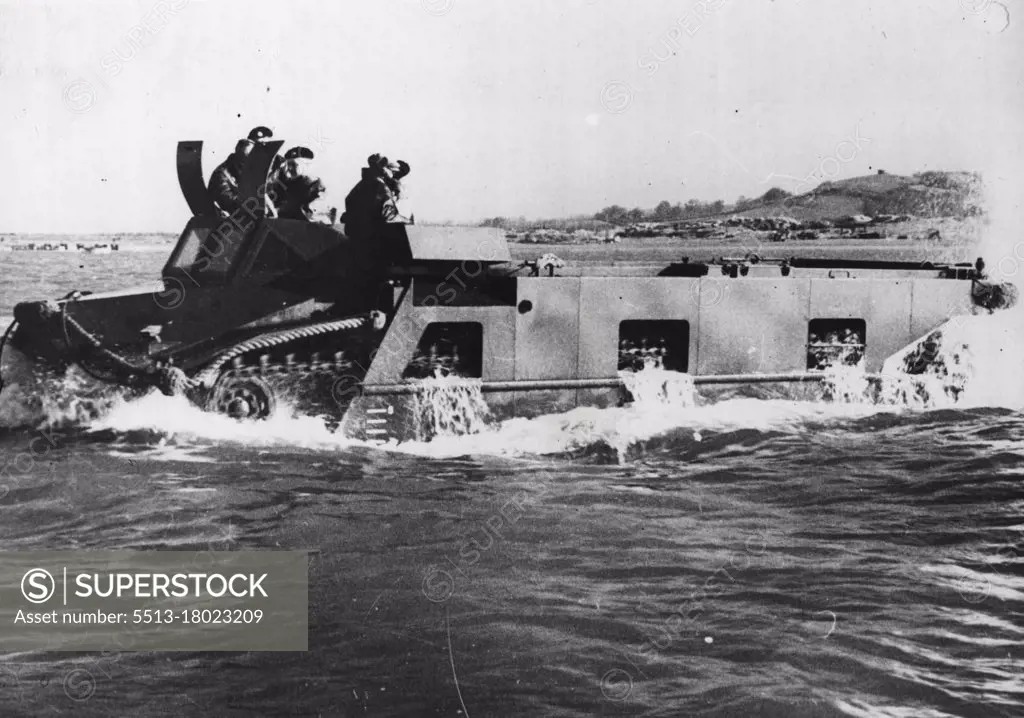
<point>835,342</point>
<point>657,343</point>
<point>448,349</point>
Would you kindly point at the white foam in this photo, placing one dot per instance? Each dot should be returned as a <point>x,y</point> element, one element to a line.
<point>450,406</point>
<point>622,427</point>
<point>983,356</point>
<point>177,419</point>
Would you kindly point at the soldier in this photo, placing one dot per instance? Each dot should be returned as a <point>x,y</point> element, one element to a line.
<point>373,202</point>
<point>293,188</point>
<point>225,179</point>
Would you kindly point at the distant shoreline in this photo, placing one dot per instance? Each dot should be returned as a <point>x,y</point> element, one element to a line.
<point>24,237</point>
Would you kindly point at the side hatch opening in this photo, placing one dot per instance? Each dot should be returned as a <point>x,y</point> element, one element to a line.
<point>835,342</point>
<point>658,343</point>
<point>448,349</point>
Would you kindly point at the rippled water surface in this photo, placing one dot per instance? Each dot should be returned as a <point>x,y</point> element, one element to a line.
<point>737,558</point>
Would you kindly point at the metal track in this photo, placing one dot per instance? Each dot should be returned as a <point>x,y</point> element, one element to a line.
<point>212,372</point>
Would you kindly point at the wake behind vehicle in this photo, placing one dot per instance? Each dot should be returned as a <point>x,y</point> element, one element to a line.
<point>254,311</point>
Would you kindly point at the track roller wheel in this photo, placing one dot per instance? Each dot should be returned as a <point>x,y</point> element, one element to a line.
<point>239,397</point>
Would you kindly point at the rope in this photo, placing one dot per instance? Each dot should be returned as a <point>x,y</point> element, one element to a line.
<point>67,321</point>
<point>96,344</point>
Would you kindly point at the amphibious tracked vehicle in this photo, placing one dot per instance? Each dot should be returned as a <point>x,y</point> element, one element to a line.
<point>255,310</point>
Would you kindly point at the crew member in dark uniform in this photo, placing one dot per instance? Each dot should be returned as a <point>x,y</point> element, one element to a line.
<point>373,202</point>
<point>224,183</point>
<point>293,187</point>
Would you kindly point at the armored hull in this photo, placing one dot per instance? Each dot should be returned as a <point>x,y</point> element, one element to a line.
<point>252,308</point>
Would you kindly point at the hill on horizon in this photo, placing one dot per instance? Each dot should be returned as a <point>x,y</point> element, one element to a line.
<point>924,194</point>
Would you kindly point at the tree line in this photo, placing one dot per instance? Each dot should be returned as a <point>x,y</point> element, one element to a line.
<point>664,211</point>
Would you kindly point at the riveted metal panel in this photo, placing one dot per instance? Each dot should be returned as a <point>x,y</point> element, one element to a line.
<point>884,305</point>
<point>547,335</point>
<point>752,326</point>
<point>547,340</point>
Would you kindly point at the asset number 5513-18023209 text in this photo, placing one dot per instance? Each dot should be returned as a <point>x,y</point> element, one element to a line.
<point>195,615</point>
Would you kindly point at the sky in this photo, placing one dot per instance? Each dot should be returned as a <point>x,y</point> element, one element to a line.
<point>540,108</point>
